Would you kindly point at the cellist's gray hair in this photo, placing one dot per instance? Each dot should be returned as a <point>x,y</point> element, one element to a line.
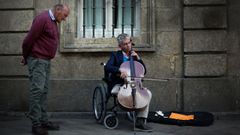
<point>121,38</point>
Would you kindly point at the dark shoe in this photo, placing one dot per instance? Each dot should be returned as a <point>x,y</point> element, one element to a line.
<point>38,130</point>
<point>50,126</point>
<point>142,126</point>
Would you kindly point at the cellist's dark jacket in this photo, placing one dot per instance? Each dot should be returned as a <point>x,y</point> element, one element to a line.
<point>112,68</point>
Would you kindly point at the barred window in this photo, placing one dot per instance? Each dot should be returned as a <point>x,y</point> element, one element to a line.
<point>93,25</point>
<point>108,18</point>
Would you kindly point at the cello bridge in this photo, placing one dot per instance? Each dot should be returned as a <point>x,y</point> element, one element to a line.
<point>133,85</point>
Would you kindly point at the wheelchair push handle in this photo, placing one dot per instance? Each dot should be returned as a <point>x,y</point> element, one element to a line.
<point>103,64</point>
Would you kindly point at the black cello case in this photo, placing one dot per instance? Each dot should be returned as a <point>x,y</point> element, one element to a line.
<point>200,118</point>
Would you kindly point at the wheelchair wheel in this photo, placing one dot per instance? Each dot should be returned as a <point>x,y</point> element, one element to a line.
<point>99,103</point>
<point>111,121</point>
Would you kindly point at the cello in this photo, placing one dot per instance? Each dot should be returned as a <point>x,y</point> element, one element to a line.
<point>132,95</point>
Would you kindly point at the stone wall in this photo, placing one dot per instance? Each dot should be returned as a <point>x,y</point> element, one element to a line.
<point>194,65</point>
<point>234,49</point>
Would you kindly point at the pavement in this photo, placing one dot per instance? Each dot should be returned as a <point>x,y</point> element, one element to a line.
<point>85,124</point>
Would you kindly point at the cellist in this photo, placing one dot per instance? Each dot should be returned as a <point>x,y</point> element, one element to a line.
<point>117,77</point>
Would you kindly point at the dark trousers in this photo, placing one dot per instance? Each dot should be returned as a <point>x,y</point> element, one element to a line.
<point>39,72</point>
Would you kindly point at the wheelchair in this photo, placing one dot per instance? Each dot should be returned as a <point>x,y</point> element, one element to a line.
<point>100,103</point>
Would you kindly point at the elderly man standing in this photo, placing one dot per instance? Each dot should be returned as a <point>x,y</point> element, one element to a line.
<point>38,48</point>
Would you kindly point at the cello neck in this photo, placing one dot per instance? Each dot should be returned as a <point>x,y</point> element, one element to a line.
<point>132,66</point>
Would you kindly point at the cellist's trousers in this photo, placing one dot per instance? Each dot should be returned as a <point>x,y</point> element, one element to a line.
<point>142,113</point>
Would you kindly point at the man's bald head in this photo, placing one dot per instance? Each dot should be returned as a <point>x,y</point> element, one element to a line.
<point>61,12</point>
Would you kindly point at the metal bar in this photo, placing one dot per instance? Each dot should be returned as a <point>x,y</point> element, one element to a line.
<point>132,15</point>
<point>148,22</point>
<point>113,16</point>
<point>123,7</point>
<point>84,19</point>
<point>94,16</point>
<point>104,17</point>
<point>76,18</point>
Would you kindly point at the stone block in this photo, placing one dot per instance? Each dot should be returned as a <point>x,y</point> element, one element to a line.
<point>234,65</point>
<point>233,3</point>
<point>204,2</point>
<point>10,4</point>
<point>45,4</point>
<point>14,94</point>
<point>10,66</point>
<point>38,11</point>
<point>205,65</point>
<point>233,43</point>
<point>168,19</point>
<point>78,66</point>
<point>233,18</point>
<point>164,94</point>
<point>16,20</point>
<point>169,42</point>
<point>205,40</point>
<point>11,43</point>
<point>208,94</point>
<point>79,94</point>
<point>64,95</point>
<point>83,66</point>
<point>162,66</point>
<point>71,95</point>
<point>205,17</point>
<point>166,4</point>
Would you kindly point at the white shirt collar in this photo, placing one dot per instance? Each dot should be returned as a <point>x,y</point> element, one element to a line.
<point>124,54</point>
<point>51,14</point>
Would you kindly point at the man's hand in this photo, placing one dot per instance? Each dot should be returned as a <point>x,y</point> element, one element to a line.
<point>135,54</point>
<point>123,74</point>
<point>23,62</point>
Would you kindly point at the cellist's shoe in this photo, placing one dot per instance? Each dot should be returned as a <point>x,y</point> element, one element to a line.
<point>142,126</point>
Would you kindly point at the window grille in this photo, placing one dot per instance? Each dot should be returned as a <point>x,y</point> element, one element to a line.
<point>108,18</point>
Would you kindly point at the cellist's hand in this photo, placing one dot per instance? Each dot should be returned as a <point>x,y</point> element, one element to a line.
<point>123,74</point>
<point>135,54</point>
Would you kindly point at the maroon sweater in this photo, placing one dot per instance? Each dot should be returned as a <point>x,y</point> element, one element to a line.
<point>43,38</point>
